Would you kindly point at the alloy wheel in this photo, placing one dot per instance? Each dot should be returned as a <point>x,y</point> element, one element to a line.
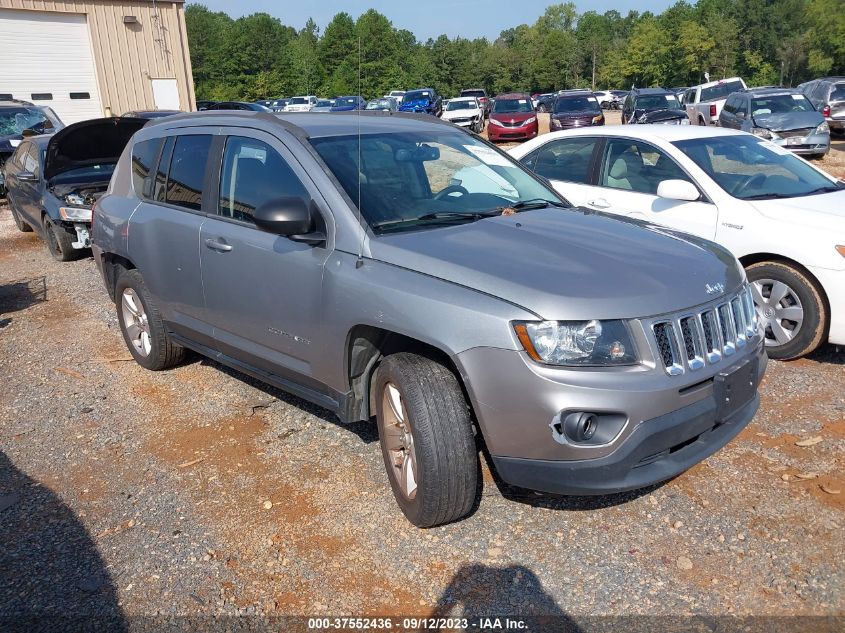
<point>780,310</point>
<point>399,440</point>
<point>136,322</point>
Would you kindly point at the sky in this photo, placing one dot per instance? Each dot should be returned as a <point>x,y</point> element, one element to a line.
<point>427,18</point>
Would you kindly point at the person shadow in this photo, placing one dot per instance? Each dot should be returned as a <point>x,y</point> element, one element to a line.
<point>481,591</point>
<point>52,578</point>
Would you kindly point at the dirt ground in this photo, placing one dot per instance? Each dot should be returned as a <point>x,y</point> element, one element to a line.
<point>197,492</point>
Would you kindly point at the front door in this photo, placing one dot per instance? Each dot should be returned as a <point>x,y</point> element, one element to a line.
<point>263,291</point>
<point>630,173</point>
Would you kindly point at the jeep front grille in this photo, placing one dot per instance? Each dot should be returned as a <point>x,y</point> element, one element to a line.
<point>689,341</point>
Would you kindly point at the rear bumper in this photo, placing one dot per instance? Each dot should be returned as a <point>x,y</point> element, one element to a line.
<point>656,450</point>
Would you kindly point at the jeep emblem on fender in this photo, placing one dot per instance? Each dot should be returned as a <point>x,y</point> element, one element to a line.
<point>714,288</point>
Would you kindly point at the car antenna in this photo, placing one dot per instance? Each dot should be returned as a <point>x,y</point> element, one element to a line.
<point>360,261</point>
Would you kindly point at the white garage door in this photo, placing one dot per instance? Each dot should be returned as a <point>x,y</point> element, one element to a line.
<point>47,60</point>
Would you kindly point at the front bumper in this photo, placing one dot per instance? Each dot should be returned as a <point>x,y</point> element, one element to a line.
<point>833,284</point>
<point>807,145</point>
<point>515,401</point>
<point>500,133</point>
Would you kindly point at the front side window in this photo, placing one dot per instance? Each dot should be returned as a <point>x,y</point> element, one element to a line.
<point>637,166</point>
<point>422,179</point>
<point>30,160</point>
<point>144,155</point>
<point>751,168</point>
<point>567,160</point>
<point>187,171</point>
<point>254,173</point>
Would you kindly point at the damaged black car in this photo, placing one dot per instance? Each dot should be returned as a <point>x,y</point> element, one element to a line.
<point>54,181</point>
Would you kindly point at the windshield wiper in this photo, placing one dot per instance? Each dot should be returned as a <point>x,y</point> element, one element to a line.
<point>535,203</point>
<point>769,196</point>
<point>826,189</point>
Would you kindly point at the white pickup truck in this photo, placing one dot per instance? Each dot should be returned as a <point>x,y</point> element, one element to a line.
<point>704,102</point>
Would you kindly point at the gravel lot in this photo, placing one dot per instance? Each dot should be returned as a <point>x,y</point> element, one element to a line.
<point>198,491</point>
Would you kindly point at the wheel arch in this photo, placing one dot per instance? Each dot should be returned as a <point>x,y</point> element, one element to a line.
<point>365,348</point>
<point>113,266</point>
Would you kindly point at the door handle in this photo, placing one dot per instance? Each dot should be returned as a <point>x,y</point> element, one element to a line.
<point>601,203</point>
<point>218,246</point>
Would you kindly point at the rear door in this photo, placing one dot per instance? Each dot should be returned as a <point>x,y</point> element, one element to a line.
<point>164,231</point>
<point>27,193</point>
<point>630,172</point>
<point>263,291</point>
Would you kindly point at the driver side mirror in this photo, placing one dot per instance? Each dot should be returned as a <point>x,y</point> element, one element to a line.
<point>678,190</point>
<point>290,217</point>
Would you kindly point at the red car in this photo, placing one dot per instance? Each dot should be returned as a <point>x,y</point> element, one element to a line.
<point>513,118</point>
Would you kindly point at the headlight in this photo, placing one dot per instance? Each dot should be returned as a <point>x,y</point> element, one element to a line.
<point>823,128</point>
<point>577,343</point>
<point>75,214</point>
<point>763,133</point>
<point>529,121</point>
<point>495,122</point>
<point>685,122</point>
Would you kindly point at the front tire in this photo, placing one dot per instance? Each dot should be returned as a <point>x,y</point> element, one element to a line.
<point>142,326</point>
<point>791,307</point>
<point>426,438</point>
<point>59,242</point>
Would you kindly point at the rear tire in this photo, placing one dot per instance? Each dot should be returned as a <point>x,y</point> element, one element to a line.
<point>142,326</point>
<point>23,226</point>
<point>425,427</point>
<point>59,242</point>
<point>782,291</point>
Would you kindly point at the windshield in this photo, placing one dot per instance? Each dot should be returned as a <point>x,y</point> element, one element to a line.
<point>405,177</point>
<point>414,95</point>
<point>13,121</point>
<point>576,104</point>
<point>380,104</point>
<point>461,105</point>
<point>346,101</point>
<point>298,101</point>
<point>657,102</point>
<point>505,106</point>
<point>323,103</point>
<point>780,104</point>
<point>751,168</point>
<point>472,93</point>
<point>720,91</point>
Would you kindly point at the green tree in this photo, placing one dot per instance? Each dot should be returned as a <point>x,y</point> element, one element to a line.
<point>645,58</point>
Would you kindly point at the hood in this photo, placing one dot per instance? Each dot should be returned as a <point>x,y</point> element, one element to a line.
<point>569,264</point>
<point>512,117</point>
<point>784,121</point>
<point>92,142</point>
<point>825,211</point>
<point>416,104</point>
<point>460,114</point>
<point>658,116</point>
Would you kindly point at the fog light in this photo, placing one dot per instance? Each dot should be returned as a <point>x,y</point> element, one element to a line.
<point>580,427</point>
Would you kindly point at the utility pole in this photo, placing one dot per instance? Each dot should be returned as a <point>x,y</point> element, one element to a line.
<point>781,73</point>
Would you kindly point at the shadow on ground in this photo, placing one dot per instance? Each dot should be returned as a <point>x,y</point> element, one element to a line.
<point>19,295</point>
<point>51,576</point>
<point>480,591</point>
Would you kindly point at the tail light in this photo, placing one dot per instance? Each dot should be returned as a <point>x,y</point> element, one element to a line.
<point>712,109</point>
<point>826,111</point>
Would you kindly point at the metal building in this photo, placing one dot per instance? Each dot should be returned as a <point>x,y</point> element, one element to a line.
<point>92,58</point>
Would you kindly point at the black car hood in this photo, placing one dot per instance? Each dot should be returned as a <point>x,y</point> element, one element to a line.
<point>92,142</point>
<point>657,116</point>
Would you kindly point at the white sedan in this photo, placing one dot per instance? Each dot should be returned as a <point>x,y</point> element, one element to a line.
<point>782,217</point>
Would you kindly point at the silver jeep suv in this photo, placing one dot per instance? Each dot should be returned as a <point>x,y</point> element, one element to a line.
<point>398,267</point>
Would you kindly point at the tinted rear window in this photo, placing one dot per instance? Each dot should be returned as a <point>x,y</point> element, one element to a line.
<point>720,91</point>
<point>144,155</point>
<point>473,93</point>
<point>187,171</point>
